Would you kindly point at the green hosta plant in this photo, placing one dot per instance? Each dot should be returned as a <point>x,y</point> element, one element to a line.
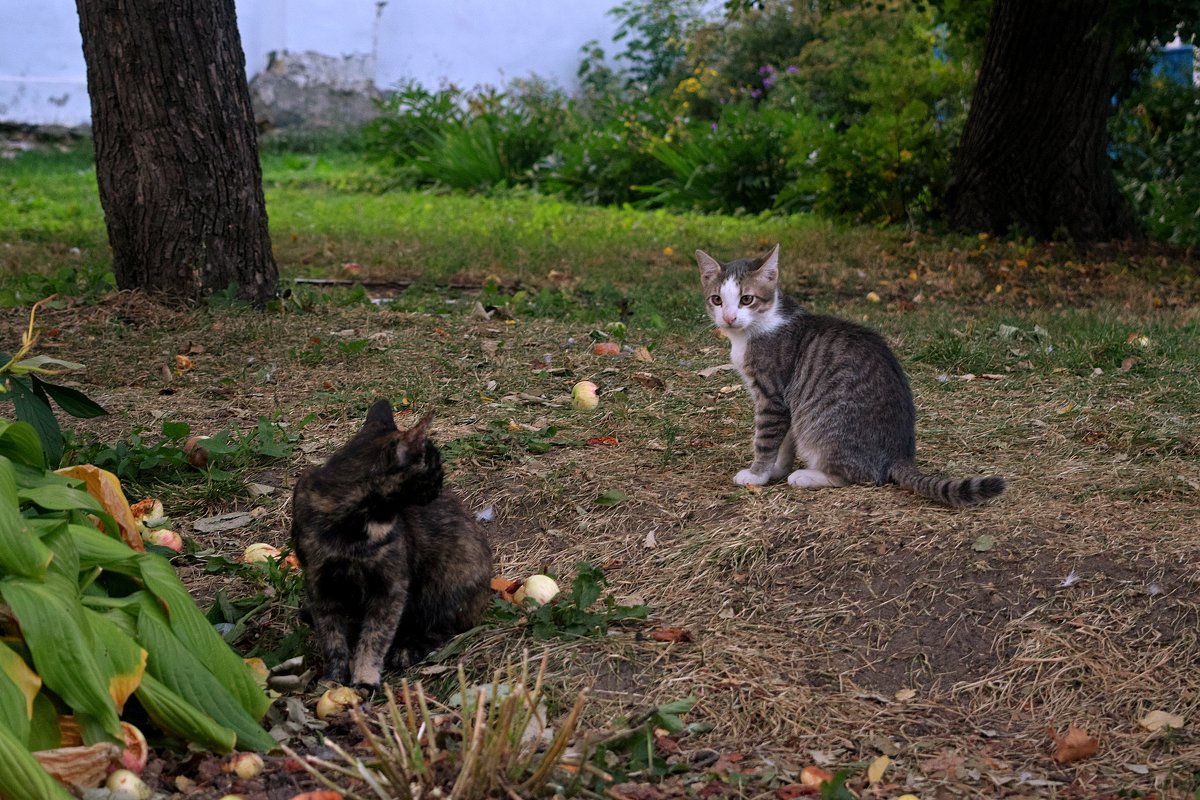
<point>22,382</point>
<point>92,628</point>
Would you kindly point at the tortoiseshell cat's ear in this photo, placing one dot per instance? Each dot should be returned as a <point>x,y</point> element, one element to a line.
<point>769,264</point>
<point>710,268</point>
<point>414,437</point>
<point>381,415</point>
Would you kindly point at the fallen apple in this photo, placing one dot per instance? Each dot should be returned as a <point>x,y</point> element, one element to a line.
<point>584,397</point>
<point>125,785</point>
<point>136,751</point>
<point>244,765</point>
<point>164,538</point>
<point>540,589</point>
<point>336,700</point>
<point>259,552</point>
<point>197,453</point>
<point>149,512</point>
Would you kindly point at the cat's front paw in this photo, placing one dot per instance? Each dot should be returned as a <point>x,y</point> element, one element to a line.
<point>367,691</point>
<point>749,477</point>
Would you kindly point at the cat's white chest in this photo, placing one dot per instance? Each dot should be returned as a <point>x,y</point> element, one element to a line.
<point>737,349</point>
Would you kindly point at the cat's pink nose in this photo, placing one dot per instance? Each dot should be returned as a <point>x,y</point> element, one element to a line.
<point>729,318</point>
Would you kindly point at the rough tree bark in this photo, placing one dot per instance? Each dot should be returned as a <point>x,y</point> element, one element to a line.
<point>1033,151</point>
<point>176,147</point>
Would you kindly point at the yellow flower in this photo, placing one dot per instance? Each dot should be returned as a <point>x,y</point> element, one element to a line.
<point>668,251</point>
<point>906,155</point>
<point>983,237</point>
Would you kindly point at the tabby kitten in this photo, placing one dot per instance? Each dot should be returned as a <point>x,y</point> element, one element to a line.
<point>393,565</point>
<point>824,389</point>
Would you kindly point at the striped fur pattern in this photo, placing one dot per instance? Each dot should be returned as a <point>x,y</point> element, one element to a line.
<point>393,564</point>
<point>825,390</point>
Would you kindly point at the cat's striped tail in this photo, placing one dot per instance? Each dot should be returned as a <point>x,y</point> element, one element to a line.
<point>951,491</point>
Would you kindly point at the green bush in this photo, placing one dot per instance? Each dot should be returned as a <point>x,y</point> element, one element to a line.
<point>1156,140</point>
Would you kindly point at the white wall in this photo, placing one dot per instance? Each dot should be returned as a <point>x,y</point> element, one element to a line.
<point>467,42</point>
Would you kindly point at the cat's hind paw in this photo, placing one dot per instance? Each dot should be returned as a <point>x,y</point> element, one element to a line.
<point>814,479</point>
<point>748,477</point>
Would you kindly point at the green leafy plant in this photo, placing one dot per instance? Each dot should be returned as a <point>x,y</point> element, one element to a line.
<point>501,441</point>
<point>576,613</point>
<point>92,627</point>
<point>31,393</point>
<point>631,747</point>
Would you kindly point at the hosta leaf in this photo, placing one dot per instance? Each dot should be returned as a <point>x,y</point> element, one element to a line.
<point>104,487</point>
<point>62,645</point>
<point>175,715</point>
<point>59,498</point>
<point>21,551</point>
<point>98,550</point>
<point>18,686</point>
<point>44,733</point>
<point>125,658</point>
<point>21,776</point>
<point>19,441</point>
<point>33,410</point>
<point>177,667</point>
<point>201,638</point>
<point>42,363</point>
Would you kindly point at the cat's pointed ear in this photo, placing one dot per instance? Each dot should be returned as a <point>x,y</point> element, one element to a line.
<point>710,268</point>
<point>381,414</point>
<point>770,264</point>
<point>414,437</point>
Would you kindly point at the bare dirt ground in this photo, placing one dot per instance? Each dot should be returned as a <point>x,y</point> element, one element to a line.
<point>827,628</point>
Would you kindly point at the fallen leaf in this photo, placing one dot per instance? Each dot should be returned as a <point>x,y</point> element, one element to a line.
<point>607,349</point>
<point>730,389</point>
<point>791,791</point>
<point>947,763</point>
<point>1137,769</point>
<point>195,349</point>
<point>671,635</point>
<point>613,497</point>
<point>1073,746</point>
<point>502,585</point>
<point>184,364</point>
<point>873,297</point>
<point>1128,364</point>
<point>641,353</point>
<point>904,695</point>
<point>991,376</point>
<point>651,541</point>
<point>649,381</point>
<point>984,543</point>
<point>604,441</point>
<point>877,768</point>
<point>708,372</point>
<point>223,522</point>
<point>1157,720</point>
<point>1067,409</point>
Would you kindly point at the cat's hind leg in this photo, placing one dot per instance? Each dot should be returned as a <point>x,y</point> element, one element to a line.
<point>815,479</point>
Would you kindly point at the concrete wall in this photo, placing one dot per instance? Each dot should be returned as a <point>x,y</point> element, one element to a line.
<point>467,42</point>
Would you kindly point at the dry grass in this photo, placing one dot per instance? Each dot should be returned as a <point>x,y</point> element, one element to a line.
<point>828,626</point>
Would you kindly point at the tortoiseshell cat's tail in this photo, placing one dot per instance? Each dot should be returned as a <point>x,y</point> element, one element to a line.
<point>957,492</point>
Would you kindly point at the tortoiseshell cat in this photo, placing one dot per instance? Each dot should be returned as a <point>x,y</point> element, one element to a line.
<point>393,564</point>
<point>824,389</point>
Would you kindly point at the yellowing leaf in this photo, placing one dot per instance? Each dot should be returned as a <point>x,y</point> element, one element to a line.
<point>104,486</point>
<point>126,658</point>
<point>877,768</point>
<point>1157,720</point>
<point>1075,745</point>
<point>21,676</point>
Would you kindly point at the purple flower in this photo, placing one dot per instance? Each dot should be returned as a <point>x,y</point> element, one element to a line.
<point>767,83</point>
<point>714,126</point>
<point>793,69</point>
<point>755,93</point>
<point>766,70</point>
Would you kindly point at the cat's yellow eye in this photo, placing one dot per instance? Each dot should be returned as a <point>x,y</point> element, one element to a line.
<point>715,299</point>
<point>747,299</point>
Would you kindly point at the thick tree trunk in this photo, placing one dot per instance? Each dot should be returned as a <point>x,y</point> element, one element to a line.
<point>176,148</point>
<point>1033,152</point>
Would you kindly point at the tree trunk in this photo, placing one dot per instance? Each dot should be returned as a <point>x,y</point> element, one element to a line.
<point>176,148</point>
<point>1033,154</point>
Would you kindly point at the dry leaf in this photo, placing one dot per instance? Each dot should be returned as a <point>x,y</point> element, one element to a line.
<point>1075,745</point>
<point>649,381</point>
<point>877,768</point>
<point>873,297</point>
<point>1128,364</point>
<point>641,353</point>
<point>1157,720</point>
<point>651,541</point>
<point>184,364</point>
<point>604,441</point>
<point>904,695</point>
<point>671,635</point>
<point>105,487</point>
<point>710,371</point>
